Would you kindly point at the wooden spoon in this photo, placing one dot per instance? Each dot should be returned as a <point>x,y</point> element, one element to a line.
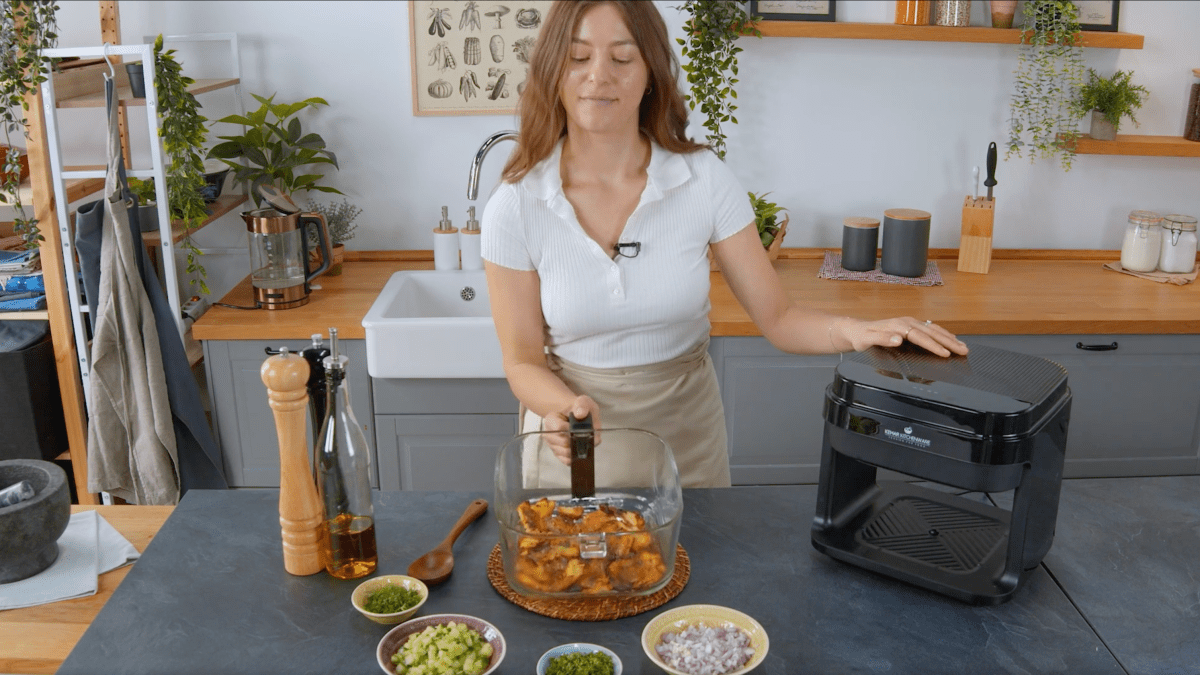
<point>435,567</point>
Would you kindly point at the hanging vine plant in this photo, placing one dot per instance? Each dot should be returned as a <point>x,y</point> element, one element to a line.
<point>1050,70</point>
<point>183,135</point>
<point>710,47</point>
<point>26,28</point>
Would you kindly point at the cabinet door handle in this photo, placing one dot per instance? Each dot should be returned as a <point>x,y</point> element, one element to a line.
<point>1097,348</point>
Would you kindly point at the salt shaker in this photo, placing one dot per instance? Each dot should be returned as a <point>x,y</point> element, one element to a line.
<point>1178,252</point>
<point>1143,242</point>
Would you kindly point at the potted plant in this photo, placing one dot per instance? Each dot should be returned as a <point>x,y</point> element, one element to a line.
<point>275,149</point>
<point>770,228</point>
<point>1109,101</point>
<point>29,27</point>
<point>1049,71</point>
<point>147,200</point>
<point>712,30</point>
<point>339,219</point>
<point>183,132</point>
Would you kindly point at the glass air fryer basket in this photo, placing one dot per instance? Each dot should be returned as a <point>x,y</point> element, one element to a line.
<point>620,542</point>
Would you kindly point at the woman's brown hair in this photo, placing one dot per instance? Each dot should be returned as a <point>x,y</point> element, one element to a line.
<point>663,115</point>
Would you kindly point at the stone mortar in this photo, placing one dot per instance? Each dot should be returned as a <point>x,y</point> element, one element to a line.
<point>30,529</point>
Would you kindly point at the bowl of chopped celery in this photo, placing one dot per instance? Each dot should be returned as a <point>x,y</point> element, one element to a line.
<point>579,658</point>
<point>389,599</point>
<point>441,643</point>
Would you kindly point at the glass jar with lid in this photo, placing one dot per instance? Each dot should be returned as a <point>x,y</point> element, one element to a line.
<point>1143,242</point>
<point>1178,253</point>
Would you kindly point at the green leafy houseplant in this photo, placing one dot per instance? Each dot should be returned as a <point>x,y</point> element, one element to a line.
<point>712,30</point>
<point>710,47</point>
<point>183,133</point>
<point>26,28</point>
<point>766,217</point>
<point>275,148</point>
<point>1050,69</point>
<point>1114,98</point>
<point>339,220</point>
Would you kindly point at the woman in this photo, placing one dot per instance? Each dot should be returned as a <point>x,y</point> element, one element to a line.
<point>595,248</point>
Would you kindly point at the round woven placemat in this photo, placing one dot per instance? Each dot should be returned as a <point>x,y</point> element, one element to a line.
<point>591,609</point>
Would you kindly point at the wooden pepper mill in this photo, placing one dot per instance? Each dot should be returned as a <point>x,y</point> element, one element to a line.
<point>300,511</point>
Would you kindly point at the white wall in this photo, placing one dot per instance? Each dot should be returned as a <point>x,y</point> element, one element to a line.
<point>831,127</point>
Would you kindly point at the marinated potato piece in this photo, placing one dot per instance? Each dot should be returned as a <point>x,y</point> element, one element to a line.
<point>554,565</point>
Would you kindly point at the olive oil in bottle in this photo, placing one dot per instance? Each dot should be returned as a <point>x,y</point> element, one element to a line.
<point>344,479</point>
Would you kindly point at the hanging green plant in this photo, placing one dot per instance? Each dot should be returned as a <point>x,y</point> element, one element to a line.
<point>26,28</point>
<point>183,133</point>
<point>1050,70</point>
<point>712,30</point>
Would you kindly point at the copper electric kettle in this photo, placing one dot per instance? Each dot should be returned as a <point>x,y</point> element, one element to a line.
<point>279,250</point>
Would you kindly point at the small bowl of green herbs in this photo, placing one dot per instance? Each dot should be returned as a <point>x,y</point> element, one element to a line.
<point>579,658</point>
<point>389,599</point>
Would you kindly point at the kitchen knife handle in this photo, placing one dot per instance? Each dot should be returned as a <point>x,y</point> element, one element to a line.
<point>991,166</point>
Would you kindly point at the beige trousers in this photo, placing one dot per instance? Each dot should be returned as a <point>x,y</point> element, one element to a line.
<point>677,400</point>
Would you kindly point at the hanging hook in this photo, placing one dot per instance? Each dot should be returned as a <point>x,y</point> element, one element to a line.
<point>112,74</point>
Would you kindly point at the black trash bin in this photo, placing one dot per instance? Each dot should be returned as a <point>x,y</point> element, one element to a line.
<point>31,415</point>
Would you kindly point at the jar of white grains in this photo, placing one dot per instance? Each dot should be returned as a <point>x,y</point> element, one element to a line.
<point>1178,253</point>
<point>1143,241</point>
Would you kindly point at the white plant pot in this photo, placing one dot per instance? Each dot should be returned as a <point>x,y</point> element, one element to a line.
<point>1102,130</point>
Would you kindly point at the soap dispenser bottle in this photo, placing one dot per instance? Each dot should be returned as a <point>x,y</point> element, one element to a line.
<point>445,244</point>
<point>348,548</point>
<point>469,242</point>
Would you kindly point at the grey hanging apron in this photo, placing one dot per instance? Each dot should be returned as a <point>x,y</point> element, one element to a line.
<point>131,439</point>
<point>678,400</point>
<point>200,462</point>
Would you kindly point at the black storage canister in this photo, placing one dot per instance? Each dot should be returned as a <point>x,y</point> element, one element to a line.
<point>991,421</point>
<point>905,242</point>
<point>860,243</point>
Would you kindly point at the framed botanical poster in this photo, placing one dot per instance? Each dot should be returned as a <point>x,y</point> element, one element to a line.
<point>471,58</point>
<point>793,10</point>
<point>1098,14</point>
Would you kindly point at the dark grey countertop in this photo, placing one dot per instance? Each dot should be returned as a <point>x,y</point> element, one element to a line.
<point>210,594</point>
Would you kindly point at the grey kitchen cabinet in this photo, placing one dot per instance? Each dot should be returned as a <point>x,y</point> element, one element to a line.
<point>242,415</point>
<point>1135,407</point>
<point>773,409</point>
<point>441,434</point>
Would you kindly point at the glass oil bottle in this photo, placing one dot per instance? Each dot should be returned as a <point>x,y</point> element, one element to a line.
<point>344,479</point>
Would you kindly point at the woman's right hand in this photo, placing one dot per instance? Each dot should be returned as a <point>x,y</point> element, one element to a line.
<point>560,442</point>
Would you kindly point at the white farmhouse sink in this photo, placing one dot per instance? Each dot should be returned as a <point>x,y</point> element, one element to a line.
<point>433,324</point>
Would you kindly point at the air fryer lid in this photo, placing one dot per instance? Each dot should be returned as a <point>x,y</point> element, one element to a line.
<point>989,392</point>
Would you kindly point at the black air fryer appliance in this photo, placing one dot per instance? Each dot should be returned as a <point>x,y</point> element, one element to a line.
<point>991,421</point>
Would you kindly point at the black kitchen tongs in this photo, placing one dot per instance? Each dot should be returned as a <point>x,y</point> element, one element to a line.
<point>583,457</point>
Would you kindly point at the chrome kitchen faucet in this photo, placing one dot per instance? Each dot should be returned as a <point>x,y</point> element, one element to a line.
<point>477,163</point>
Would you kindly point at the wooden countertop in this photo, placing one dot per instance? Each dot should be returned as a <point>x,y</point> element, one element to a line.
<point>1025,292</point>
<point>38,639</point>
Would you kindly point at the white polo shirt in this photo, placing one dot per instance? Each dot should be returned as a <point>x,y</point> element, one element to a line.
<point>606,313</point>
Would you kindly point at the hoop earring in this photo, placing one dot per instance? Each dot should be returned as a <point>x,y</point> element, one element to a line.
<point>648,90</point>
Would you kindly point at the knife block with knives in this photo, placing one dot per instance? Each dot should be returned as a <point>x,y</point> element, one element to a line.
<point>978,214</point>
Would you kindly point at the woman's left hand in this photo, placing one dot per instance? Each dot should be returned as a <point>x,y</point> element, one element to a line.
<point>860,335</point>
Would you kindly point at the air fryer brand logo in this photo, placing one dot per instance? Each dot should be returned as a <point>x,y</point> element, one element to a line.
<point>907,437</point>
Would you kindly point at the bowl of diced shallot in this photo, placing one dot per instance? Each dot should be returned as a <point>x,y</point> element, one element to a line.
<point>705,640</point>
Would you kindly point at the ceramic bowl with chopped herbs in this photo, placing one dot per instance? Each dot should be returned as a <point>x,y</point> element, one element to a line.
<point>389,599</point>
<point>579,658</point>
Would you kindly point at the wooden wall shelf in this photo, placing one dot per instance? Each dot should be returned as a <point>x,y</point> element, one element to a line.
<point>96,99</point>
<point>223,205</point>
<point>890,31</point>
<point>1148,146</point>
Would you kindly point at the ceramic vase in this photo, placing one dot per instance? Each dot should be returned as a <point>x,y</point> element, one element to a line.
<point>1003,12</point>
<point>1102,129</point>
